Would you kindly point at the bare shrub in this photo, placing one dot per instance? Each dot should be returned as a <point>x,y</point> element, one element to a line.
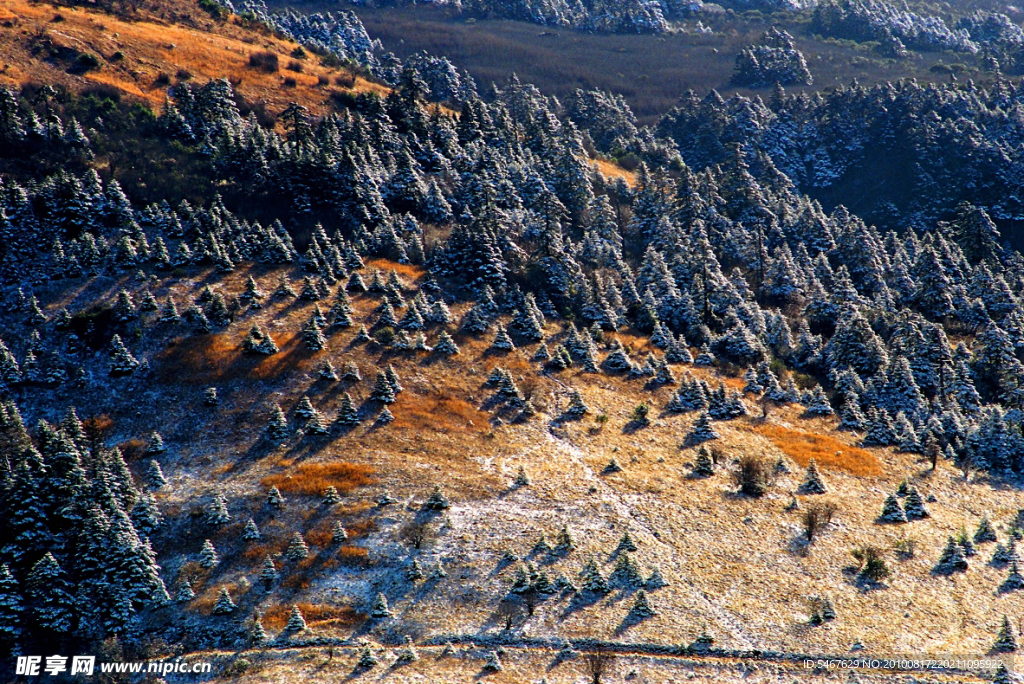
<point>754,476</point>
<point>816,517</point>
<point>265,61</point>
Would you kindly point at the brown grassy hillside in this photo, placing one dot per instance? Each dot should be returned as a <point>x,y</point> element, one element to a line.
<point>736,567</point>
<point>143,52</point>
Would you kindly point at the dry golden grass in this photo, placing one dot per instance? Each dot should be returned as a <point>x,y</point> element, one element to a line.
<point>217,358</point>
<point>152,45</point>
<point>320,536</point>
<point>613,171</point>
<point>826,450</point>
<point>257,552</point>
<point>439,410</point>
<point>410,272</point>
<point>354,556</point>
<point>314,613</point>
<point>314,478</point>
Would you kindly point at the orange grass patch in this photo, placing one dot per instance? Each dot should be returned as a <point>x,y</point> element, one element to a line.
<point>440,411</point>
<point>314,613</point>
<point>207,359</point>
<point>314,478</point>
<point>827,451</point>
<point>354,556</point>
<point>407,271</point>
<point>612,170</point>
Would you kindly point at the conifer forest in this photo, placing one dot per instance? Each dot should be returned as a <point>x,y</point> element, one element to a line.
<point>511,341</point>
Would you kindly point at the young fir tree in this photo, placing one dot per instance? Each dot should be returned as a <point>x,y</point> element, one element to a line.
<point>274,498</point>
<point>224,603</point>
<point>313,336</point>
<point>217,511</point>
<point>367,659</point>
<point>1005,640</point>
<point>913,505</point>
<point>592,579</point>
<point>704,466</point>
<point>155,475</point>
<point>492,663</point>
<point>812,483</point>
<point>407,654</point>
<point>892,512</point>
<point>121,360</point>
<point>642,607</point>
<point>257,634</point>
<point>250,532</point>
<point>952,559</point>
<point>1014,580</point>
<point>338,533</point>
<point>185,592</point>
<point>296,622</point>
<point>277,426</point>
<point>985,532</point>
<point>577,407</point>
<point>208,555</point>
<point>297,549</point>
<point>380,608</point>
<point>331,496</point>
<point>701,431</point>
<point>382,389</point>
<point>446,345</point>
<point>350,372</point>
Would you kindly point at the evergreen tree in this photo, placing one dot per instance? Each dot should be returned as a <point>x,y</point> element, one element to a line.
<point>593,580</point>
<point>913,506</point>
<point>1005,640</point>
<point>208,556</point>
<point>642,606</point>
<point>11,610</point>
<point>985,532</point>
<point>892,512</point>
<point>382,389</point>
<point>296,622</point>
<point>121,360</point>
<point>367,659</point>
<point>702,431</point>
<point>577,407</point>
<point>380,608</point>
<point>274,498</point>
<point>812,483</point>
<point>48,599</point>
<point>224,605</point>
<point>277,426</point>
<point>251,532</point>
<point>297,549</point>
<point>952,559</point>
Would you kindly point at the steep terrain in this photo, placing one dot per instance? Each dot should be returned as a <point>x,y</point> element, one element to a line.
<point>295,377</point>
<point>141,53</point>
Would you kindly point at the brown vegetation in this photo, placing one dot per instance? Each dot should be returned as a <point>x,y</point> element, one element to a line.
<point>314,613</point>
<point>827,451</point>
<point>314,478</point>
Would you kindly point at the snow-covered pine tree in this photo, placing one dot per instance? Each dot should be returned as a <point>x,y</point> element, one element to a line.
<point>952,559</point>
<point>224,605</point>
<point>702,431</point>
<point>208,555</point>
<point>892,512</point>
<point>297,549</point>
<point>812,483</point>
<point>296,622</point>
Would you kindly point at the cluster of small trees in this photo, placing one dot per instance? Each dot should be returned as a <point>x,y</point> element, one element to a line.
<point>773,61</point>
